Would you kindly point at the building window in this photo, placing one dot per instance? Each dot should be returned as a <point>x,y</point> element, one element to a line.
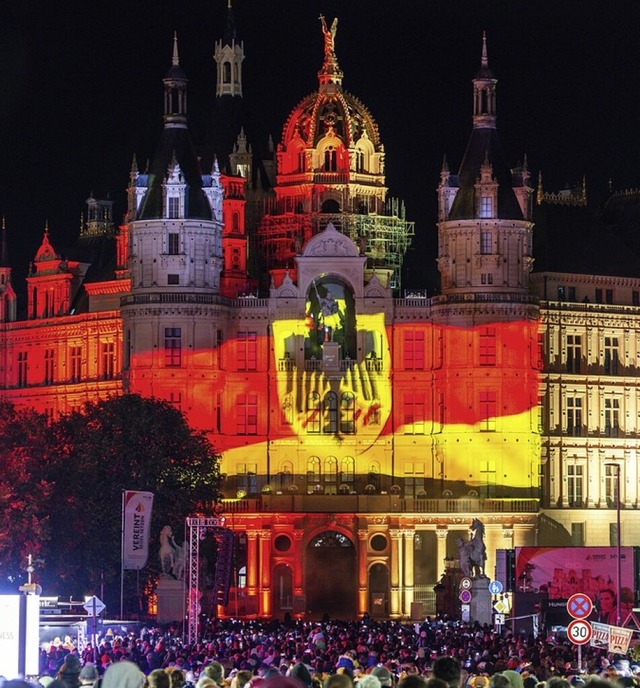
<point>486,206</point>
<point>413,344</point>
<point>577,534</point>
<point>247,348</point>
<point>173,347</point>
<point>574,485</point>
<point>313,472</point>
<point>348,471</point>
<point>247,478</point>
<point>560,293</point>
<point>598,295</point>
<point>611,358</point>
<point>247,414</point>
<point>608,296</point>
<point>330,160</point>
<point>173,208</point>
<point>331,475</point>
<point>313,413</point>
<point>574,416</point>
<point>612,417</point>
<point>174,243</point>
<point>486,278</point>
<point>48,366</point>
<point>635,298</point>
<point>571,293</point>
<point>488,473</point>
<point>235,222</point>
<point>414,414</point>
<point>330,412</point>
<point>611,476</point>
<point>173,280</point>
<point>301,161</point>
<point>108,362</point>
<point>485,242</point>
<point>348,413</point>
<point>613,534</point>
<point>75,363</point>
<point>488,411</point>
<point>22,368</point>
<point>574,353</point>
<point>487,347</point>
<point>413,479</point>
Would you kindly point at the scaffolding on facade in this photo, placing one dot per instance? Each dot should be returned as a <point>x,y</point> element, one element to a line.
<point>384,239</point>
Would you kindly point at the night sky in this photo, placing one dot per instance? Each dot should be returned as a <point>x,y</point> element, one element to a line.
<point>81,92</point>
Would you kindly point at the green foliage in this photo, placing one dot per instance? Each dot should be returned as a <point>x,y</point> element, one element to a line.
<point>65,482</point>
<point>24,494</point>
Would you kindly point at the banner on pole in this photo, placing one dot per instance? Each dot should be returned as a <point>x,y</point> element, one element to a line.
<point>136,523</point>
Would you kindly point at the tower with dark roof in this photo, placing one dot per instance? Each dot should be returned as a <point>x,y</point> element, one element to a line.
<point>485,317</point>
<point>174,257</point>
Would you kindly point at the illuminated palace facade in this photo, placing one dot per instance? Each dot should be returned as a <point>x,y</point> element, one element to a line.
<point>360,432</point>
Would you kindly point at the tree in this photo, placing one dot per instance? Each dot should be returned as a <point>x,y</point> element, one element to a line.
<point>127,442</point>
<point>24,492</point>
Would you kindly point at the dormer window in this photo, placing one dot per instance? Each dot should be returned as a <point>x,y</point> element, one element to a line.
<point>486,206</point>
<point>173,207</point>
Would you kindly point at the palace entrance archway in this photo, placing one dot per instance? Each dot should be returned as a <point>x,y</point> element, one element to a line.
<point>331,583</point>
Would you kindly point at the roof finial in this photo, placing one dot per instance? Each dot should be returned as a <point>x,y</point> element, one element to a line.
<point>485,58</point>
<point>46,228</point>
<point>229,4</point>
<point>175,60</point>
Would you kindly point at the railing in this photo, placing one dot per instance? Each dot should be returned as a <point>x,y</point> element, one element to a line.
<point>373,365</point>
<point>286,365</point>
<point>485,297</point>
<point>313,366</point>
<point>297,502</point>
<point>347,364</point>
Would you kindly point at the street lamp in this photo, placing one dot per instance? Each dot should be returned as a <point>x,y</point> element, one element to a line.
<point>616,468</point>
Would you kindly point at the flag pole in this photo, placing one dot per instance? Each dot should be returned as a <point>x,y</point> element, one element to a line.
<point>122,559</point>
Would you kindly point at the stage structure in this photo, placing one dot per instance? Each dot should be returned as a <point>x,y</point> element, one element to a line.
<point>198,528</point>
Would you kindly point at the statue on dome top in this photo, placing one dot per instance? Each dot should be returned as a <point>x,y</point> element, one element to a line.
<point>329,34</point>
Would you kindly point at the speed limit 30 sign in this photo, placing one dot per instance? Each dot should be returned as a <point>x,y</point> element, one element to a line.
<point>579,632</point>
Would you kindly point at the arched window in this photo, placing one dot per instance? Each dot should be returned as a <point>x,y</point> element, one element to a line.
<point>347,413</point>
<point>226,72</point>
<point>331,475</point>
<point>301,161</point>
<point>313,412</point>
<point>313,472</point>
<point>235,222</point>
<point>360,166</point>
<point>330,409</point>
<point>330,159</point>
<point>348,470</point>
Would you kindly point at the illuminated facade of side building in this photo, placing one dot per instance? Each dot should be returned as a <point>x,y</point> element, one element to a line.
<point>360,432</point>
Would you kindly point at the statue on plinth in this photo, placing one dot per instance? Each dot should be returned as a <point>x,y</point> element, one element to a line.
<point>171,554</point>
<point>473,553</point>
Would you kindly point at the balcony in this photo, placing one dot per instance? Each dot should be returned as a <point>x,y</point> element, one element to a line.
<point>375,503</point>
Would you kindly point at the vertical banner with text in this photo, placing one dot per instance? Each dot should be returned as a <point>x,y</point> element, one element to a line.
<point>136,524</point>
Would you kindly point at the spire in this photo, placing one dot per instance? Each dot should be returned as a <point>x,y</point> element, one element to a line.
<point>175,92</point>
<point>330,75</point>
<point>540,191</point>
<point>4,252</point>
<point>484,93</point>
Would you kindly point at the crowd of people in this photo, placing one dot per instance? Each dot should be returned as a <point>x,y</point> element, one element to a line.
<point>331,654</point>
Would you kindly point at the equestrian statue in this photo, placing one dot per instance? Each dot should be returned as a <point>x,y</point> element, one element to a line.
<point>473,553</point>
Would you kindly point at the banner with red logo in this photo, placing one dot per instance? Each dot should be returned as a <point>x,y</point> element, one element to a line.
<point>136,523</point>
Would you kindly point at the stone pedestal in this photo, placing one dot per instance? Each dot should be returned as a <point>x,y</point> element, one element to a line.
<point>171,600</point>
<point>331,357</point>
<point>480,606</point>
